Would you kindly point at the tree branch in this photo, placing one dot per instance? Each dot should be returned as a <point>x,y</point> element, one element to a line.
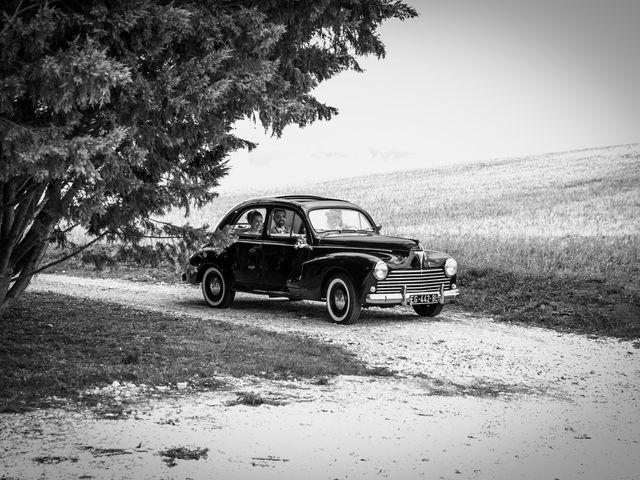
<point>12,19</point>
<point>29,237</point>
<point>140,235</point>
<point>21,219</point>
<point>162,223</point>
<point>60,260</point>
<point>19,11</point>
<point>25,193</point>
<point>6,225</point>
<point>62,232</point>
<point>2,185</point>
<point>7,124</point>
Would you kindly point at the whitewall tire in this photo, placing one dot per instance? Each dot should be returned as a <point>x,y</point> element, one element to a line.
<point>215,288</point>
<point>342,300</point>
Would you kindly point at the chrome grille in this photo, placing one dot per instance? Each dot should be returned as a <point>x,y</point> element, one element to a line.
<point>415,281</point>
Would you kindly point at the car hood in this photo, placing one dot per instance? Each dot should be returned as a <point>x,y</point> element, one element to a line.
<point>397,251</point>
<point>371,241</point>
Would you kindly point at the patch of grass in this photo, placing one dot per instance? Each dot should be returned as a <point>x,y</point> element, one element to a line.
<point>379,371</point>
<point>321,381</point>
<point>182,453</point>
<point>105,452</point>
<point>56,345</point>
<point>566,303</point>
<point>479,388</point>
<point>54,460</point>
<point>252,399</point>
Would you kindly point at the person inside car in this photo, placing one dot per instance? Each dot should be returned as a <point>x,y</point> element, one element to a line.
<point>279,222</point>
<point>334,219</point>
<point>254,218</point>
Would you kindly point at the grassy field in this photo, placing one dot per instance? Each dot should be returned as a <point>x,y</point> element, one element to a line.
<point>551,239</point>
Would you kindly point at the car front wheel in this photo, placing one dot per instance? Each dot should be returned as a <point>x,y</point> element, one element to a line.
<point>342,301</point>
<point>428,310</point>
<point>215,288</point>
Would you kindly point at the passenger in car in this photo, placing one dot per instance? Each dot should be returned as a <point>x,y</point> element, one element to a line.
<point>334,219</point>
<point>254,218</point>
<point>279,222</point>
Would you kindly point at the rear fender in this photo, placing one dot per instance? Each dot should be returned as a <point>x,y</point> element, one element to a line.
<point>206,258</point>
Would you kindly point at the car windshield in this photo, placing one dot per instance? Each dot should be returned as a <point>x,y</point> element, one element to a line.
<point>339,220</point>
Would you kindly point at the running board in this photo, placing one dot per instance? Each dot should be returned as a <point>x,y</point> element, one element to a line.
<point>270,293</point>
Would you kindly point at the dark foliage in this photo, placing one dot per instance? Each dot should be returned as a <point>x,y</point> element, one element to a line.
<point>111,112</point>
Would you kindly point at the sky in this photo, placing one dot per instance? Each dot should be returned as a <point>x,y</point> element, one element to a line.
<point>468,80</point>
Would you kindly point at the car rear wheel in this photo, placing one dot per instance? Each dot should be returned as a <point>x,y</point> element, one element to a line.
<point>428,310</point>
<point>342,300</point>
<point>215,288</point>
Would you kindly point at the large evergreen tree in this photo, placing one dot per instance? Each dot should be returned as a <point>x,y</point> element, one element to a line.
<point>112,111</point>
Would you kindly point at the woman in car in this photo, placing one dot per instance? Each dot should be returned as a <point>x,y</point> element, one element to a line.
<point>255,221</point>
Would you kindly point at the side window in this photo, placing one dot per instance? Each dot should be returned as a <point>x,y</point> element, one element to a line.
<point>285,223</point>
<point>298,226</point>
<point>250,222</point>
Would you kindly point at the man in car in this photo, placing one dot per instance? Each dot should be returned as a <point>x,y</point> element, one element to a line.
<point>279,222</point>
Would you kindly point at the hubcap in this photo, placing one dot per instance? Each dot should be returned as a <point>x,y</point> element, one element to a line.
<point>215,286</point>
<point>340,299</point>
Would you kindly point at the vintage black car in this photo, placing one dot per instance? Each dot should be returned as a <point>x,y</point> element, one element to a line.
<point>312,248</point>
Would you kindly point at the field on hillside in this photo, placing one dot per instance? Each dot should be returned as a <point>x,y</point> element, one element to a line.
<point>552,238</point>
<point>575,213</point>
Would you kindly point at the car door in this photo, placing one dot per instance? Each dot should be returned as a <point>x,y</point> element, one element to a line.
<point>247,250</point>
<point>281,251</point>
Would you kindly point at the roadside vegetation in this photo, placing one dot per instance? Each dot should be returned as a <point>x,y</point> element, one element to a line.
<point>55,345</point>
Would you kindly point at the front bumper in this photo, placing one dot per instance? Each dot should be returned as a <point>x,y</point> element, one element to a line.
<point>444,296</point>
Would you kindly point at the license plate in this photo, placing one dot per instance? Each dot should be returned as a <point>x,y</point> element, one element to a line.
<point>424,298</point>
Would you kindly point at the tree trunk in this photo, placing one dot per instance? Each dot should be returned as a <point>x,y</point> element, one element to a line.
<point>25,226</point>
<point>34,258</point>
<point>4,290</point>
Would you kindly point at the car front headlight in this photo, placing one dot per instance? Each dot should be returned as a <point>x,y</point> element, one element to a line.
<point>450,267</point>
<point>381,270</point>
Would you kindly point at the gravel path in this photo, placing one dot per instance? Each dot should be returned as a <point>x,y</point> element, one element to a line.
<point>472,399</point>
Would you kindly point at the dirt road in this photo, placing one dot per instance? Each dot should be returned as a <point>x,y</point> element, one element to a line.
<point>471,399</point>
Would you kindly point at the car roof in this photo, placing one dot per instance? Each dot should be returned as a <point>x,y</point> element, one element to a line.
<point>303,202</point>
<point>306,202</point>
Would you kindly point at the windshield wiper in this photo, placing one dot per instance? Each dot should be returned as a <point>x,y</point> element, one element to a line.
<point>340,230</point>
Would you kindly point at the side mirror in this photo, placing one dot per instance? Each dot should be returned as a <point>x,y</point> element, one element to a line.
<point>378,228</point>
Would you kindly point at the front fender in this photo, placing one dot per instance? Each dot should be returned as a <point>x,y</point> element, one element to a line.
<point>309,281</point>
